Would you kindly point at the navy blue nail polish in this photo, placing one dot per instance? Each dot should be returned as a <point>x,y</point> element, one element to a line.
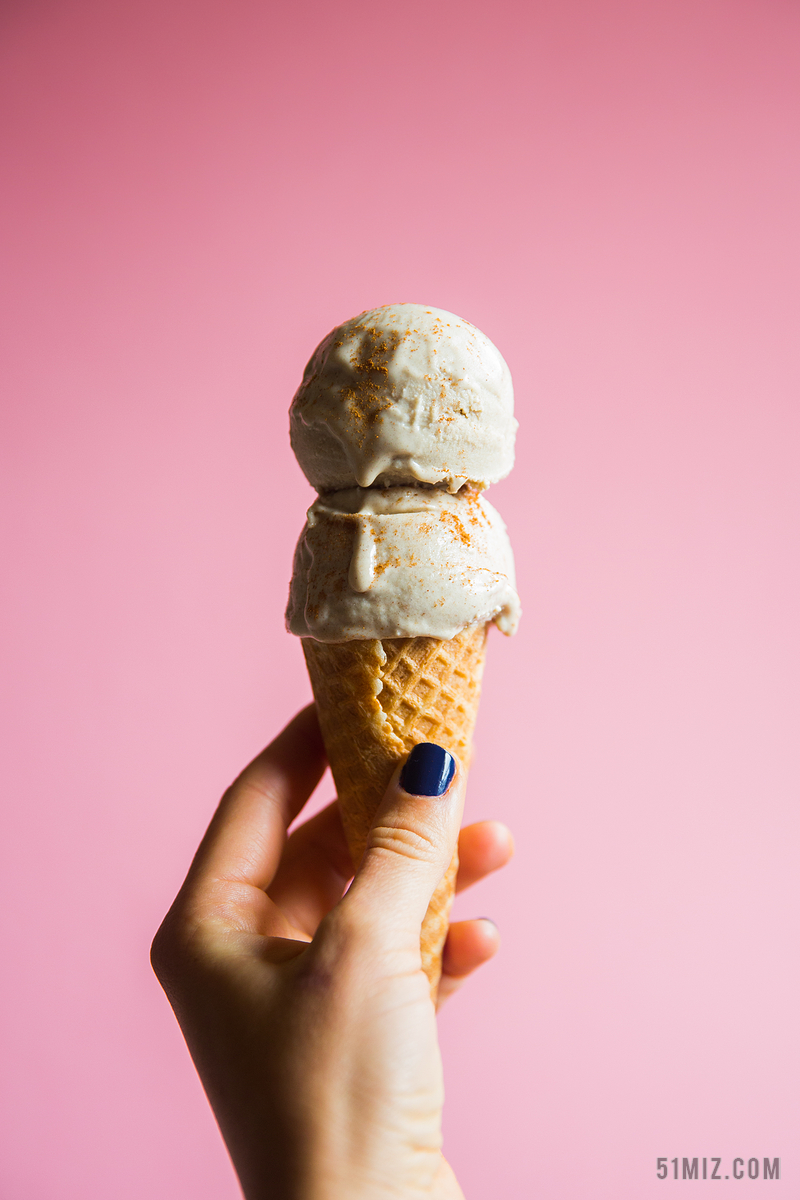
<point>429,771</point>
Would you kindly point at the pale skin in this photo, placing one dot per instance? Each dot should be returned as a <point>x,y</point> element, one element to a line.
<point>306,1012</point>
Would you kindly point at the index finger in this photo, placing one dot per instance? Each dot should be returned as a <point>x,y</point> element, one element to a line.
<point>244,842</point>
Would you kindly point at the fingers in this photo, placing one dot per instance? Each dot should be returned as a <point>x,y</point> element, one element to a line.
<point>469,944</point>
<point>315,867</point>
<point>408,849</point>
<point>482,848</point>
<point>246,836</point>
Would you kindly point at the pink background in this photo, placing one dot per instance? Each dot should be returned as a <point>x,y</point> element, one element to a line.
<point>193,194</point>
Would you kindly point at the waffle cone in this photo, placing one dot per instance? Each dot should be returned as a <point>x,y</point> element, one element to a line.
<point>376,700</point>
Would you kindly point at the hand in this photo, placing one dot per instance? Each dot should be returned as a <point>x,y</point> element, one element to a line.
<point>306,1012</point>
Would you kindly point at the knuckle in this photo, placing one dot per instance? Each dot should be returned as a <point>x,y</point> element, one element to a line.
<point>415,844</point>
<point>167,957</point>
<point>263,788</point>
<point>180,947</point>
<point>160,953</point>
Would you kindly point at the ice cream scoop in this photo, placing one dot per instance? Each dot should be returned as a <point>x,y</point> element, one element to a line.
<point>401,562</point>
<point>404,394</point>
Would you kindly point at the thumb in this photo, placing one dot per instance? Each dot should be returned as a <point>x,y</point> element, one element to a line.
<point>410,845</point>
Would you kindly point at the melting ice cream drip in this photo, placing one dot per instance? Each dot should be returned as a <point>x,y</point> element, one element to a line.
<point>361,574</point>
<point>368,471</point>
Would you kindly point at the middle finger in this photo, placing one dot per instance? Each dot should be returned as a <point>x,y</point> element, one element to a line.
<point>482,848</point>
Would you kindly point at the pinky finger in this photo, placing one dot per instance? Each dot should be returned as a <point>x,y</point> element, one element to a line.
<point>469,944</point>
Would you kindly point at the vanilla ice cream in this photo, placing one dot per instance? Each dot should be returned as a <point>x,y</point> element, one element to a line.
<point>401,562</point>
<point>404,394</point>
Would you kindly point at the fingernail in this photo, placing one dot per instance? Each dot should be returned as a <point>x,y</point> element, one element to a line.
<point>429,771</point>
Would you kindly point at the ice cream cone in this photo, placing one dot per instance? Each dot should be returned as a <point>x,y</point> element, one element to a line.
<point>376,700</point>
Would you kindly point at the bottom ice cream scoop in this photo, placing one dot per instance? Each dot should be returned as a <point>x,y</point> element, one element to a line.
<point>401,563</point>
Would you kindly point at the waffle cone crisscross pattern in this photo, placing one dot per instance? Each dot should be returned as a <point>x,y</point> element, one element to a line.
<point>377,700</point>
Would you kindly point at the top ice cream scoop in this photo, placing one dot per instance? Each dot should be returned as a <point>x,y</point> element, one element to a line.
<point>400,395</point>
